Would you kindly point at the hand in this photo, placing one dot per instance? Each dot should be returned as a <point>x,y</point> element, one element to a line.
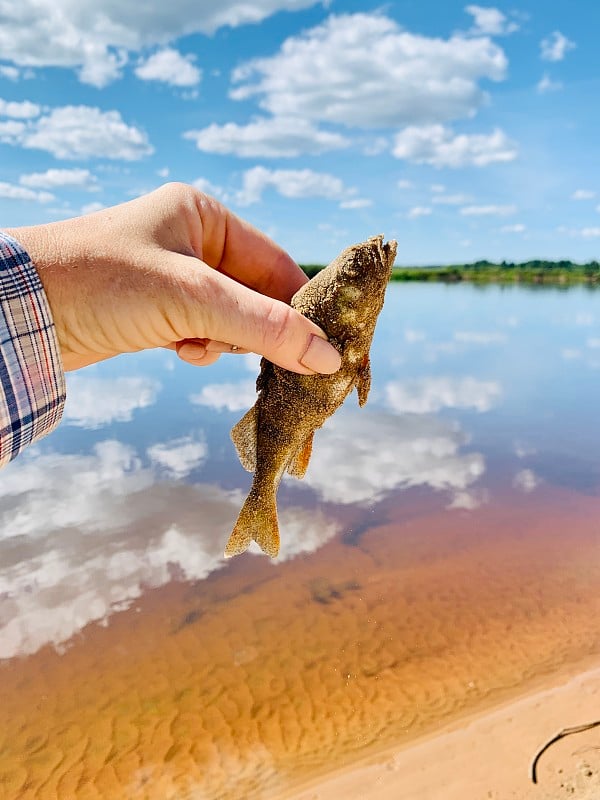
<point>172,269</point>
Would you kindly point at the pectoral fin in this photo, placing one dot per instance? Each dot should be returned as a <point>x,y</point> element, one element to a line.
<point>244,436</point>
<point>363,381</point>
<point>299,463</point>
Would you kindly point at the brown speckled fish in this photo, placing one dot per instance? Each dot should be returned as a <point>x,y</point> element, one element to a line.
<point>344,299</point>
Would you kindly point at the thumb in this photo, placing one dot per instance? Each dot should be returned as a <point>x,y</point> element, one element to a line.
<point>227,311</point>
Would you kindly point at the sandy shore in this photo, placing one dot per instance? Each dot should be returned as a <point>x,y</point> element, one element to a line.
<point>488,756</point>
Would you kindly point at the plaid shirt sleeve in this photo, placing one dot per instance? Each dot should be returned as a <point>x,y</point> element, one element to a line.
<point>32,380</point>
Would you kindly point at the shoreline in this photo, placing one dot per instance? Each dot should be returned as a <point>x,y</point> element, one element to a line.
<point>486,754</point>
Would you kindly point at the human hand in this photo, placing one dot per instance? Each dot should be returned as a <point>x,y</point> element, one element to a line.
<point>172,269</point>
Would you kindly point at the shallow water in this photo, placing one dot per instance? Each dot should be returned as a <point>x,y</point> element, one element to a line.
<point>442,552</point>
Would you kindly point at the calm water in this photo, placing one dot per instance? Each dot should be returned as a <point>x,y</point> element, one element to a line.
<point>442,551</point>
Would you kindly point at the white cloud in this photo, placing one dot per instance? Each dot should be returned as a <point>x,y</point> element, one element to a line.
<point>428,395</point>
<point>170,66</point>
<point>404,184</point>
<point>363,70</point>
<point>360,459</point>
<point>526,480</point>
<point>179,457</point>
<point>546,84</point>
<point>451,199</point>
<point>593,342</point>
<point>556,46</point>
<point>11,131</point>
<point>583,194</point>
<point>293,183</point>
<point>441,147</point>
<point>95,402</point>
<point>419,211</point>
<point>13,192</point>
<point>516,228</point>
<point>12,73</point>
<point>279,137</point>
<point>19,110</point>
<point>358,202</point>
<point>490,21</point>
<point>479,337</point>
<point>230,396</point>
<point>77,132</point>
<point>95,36</point>
<point>588,233</point>
<point>163,172</point>
<point>54,178</point>
<point>488,211</point>
<point>206,186</point>
<point>91,208</point>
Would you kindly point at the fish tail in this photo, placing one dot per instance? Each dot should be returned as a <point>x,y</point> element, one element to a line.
<point>258,521</point>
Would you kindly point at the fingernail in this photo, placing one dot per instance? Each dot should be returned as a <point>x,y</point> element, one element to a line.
<point>320,356</point>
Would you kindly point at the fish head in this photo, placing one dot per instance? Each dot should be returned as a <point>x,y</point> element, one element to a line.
<point>359,277</point>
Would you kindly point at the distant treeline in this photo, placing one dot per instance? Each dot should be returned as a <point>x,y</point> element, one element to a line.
<point>561,272</point>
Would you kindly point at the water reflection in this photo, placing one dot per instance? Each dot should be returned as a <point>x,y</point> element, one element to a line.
<point>431,394</point>
<point>477,452</point>
<point>83,536</point>
<point>361,457</point>
<point>93,402</point>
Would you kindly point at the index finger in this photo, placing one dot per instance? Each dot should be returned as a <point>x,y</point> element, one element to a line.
<point>242,252</point>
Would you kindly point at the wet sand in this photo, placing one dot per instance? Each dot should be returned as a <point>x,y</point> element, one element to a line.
<point>261,677</point>
<point>488,754</point>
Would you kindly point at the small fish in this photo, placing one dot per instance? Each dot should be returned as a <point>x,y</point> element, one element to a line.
<point>344,299</point>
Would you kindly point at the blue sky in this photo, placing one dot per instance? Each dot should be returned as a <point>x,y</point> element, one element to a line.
<point>463,130</point>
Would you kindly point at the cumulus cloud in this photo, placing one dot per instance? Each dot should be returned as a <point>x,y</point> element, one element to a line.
<point>516,228</point>
<point>96,36</point>
<point>170,66</point>
<point>12,73</point>
<point>428,395</point>
<point>13,192</point>
<point>490,21</point>
<point>277,137</point>
<point>293,183</point>
<point>441,147</point>
<point>94,402</point>
<point>363,70</point>
<point>19,110</point>
<point>79,132</point>
<point>360,460</point>
<point>208,187</point>
<point>555,47</point>
<point>59,178</point>
<point>546,84</point>
<point>526,480</point>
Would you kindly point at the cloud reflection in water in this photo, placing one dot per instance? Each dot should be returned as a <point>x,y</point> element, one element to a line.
<point>82,535</point>
<point>359,457</point>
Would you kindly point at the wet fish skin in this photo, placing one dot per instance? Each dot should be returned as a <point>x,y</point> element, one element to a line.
<point>344,299</point>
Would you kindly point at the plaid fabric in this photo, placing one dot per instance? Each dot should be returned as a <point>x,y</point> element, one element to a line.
<point>32,380</point>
